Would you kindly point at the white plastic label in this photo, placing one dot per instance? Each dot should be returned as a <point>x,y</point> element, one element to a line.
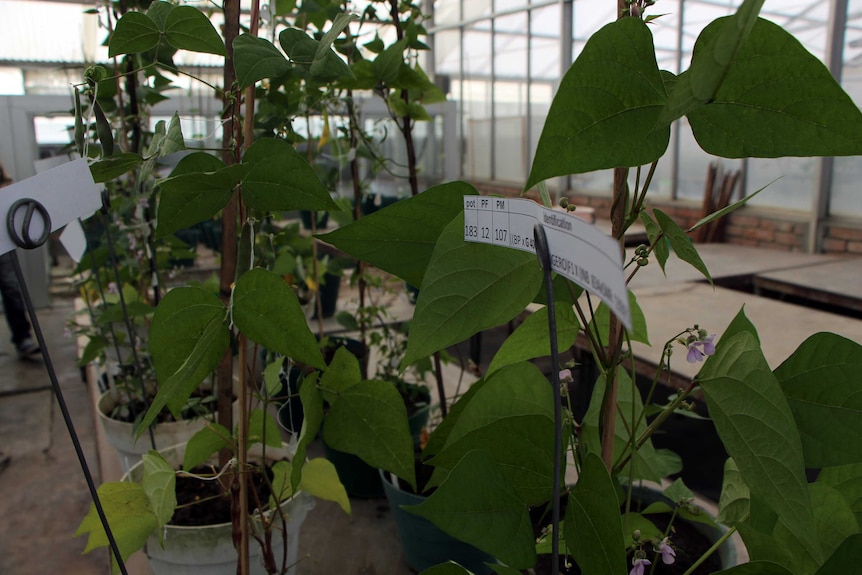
<point>67,192</point>
<point>578,250</point>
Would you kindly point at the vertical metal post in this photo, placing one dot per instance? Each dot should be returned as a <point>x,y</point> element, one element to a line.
<point>544,256</point>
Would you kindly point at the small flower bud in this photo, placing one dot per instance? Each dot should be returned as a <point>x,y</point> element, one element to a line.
<point>564,202</point>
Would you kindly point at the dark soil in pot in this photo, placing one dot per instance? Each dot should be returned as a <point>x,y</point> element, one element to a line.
<point>208,502</point>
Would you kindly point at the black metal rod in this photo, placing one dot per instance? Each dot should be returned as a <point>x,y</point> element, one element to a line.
<point>544,255</point>
<point>58,393</point>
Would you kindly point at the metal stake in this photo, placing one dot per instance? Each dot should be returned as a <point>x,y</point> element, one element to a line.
<point>24,240</point>
<point>544,255</point>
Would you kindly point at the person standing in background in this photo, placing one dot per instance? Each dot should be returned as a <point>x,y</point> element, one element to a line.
<point>13,301</point>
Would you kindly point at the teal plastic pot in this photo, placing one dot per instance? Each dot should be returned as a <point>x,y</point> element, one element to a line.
<point>425,545</point>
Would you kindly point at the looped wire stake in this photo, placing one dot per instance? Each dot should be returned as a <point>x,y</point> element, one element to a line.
<point>23,239</point>
<point>544,255</point>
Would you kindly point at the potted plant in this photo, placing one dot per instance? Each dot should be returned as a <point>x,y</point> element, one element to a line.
<point>498,455</point>
<point>193,330</point>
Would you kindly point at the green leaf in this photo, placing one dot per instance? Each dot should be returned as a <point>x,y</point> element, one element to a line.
<point>319,478</point>
<point>601,323</point>
<point>266,310</point>
<point>834,518</point>
<point>649,463</point>
<point>79,125</point>
<point>726,210</point>
<point>776,100</point>
<point>262,428</point>
<point>847,480</point>
<point>532,338</point>
<point>173,141</point>
<point>206,442</point>
<point>104,130</point>
<point>134,33</point>
<point>187,339</point>
<point>659,243</point>
<point>511,418</point>
<point>370,421</point>
<point>593,529</point>
<point>280,179</point>
<point>255,59</point>
<point>606,110</point>
<point>734,503</point>
<point>324,66</point>
<point>467,288</point>
<point>187,28</point>
<point>492,518</point>
<point>341,21</point>
<point>129,514</point>
<point>714,56</point>
<point>400,238</point>
<point>677,491</point>
<point>158,13</point>
<point>281,487</point>
<point>756,425</point>
<point>681,243</point>
<point>387,64</point>
<point>107,169</point>
<point>821,382</point>
<point>312,410</point>
<point>343,373</point>
<point>845,559</point>
<point>159,483</point>
<point>197,189</point>
<point>440,435</point>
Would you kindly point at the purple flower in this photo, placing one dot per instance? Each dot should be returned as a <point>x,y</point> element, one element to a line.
<point>639,564</point>
<point>700,348</point>
<point>112,288</point>
<point>668,555</point>
<point>566,376</point>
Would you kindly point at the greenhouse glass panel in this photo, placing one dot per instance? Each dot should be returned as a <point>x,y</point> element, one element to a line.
<point>545,43</point>
<point>476,9</point>
<point>447,12</point>
<point>447,52</point>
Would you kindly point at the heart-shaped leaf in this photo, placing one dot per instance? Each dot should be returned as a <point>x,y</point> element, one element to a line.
<point>369,420</point>
<point>255,59</point>
<point>493,518</point>
<point>606,111</point>
<point>776,100</point>
<point>593,528</point>
<point>266,310</point>
<point>512,419</point>
<point>134,33</point>
<point>280,179</point>
<point>187,339</point>
<point>532,338</point>
<point>821,382</point>
<point>468,287</point>
<point>401,238</point>
<point>756,425</point>
<point>187,28</point>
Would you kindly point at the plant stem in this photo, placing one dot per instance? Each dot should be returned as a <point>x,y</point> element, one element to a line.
<point>714,547</point>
